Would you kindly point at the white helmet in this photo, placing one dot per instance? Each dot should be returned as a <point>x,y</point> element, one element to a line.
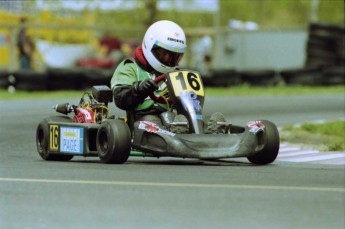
<point>163,45</point>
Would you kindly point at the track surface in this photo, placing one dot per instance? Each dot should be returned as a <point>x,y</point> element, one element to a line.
<point>169,192</point>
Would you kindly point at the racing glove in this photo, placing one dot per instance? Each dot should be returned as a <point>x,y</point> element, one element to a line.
<point>128,97</point>
<point>144,88</point>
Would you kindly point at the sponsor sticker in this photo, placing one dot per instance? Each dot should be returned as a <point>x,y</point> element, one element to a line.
<point>198,116</point>
<point>153,128</point>
<point>190,98</point>
<point>255,126</point>
<point>71,140</point>
<point>86,113</point>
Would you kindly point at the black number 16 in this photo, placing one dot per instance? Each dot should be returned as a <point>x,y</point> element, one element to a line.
<point>192,81</point>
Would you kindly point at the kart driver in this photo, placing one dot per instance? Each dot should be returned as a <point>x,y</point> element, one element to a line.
<point>162,49</point>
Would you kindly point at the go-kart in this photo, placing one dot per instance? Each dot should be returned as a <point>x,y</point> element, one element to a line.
<point>93,132</point>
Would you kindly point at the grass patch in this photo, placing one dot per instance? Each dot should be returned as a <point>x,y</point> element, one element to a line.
<point>241,90</point>
<point>329,136</point>
<point>247,90</point>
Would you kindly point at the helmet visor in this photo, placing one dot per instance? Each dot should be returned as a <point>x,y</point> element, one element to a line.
<point>166,57</point>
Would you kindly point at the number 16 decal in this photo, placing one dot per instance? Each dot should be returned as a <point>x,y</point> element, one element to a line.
<point>185,81</point>
<point>54,137</point>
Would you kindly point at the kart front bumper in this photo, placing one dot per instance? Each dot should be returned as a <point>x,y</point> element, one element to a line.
<point>202,146</point>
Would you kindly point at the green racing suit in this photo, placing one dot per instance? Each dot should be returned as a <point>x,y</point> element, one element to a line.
<point>126,74</point>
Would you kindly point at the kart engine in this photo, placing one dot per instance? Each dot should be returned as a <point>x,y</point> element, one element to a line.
<point>92,109</point>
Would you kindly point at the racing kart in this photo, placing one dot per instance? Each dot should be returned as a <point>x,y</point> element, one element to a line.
<point>93,132</point>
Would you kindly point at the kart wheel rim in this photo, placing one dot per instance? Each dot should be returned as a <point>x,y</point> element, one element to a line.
<point>103,141</point>
<point>40,141</point>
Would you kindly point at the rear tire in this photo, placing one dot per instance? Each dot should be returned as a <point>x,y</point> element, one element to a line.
<point>113,142</point>
<point>271,145</point>
<point>42,139</point>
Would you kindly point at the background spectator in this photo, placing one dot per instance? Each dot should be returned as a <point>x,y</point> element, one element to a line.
<point>25,45</point>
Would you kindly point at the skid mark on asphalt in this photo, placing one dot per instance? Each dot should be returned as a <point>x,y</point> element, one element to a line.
<point>296,154</point>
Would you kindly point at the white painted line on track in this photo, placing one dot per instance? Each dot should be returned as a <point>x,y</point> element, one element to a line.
<point>315,158</point>
<point>288,149</point>
<point>298,153</point>
<point>182,185</point>
<point>291,153</point>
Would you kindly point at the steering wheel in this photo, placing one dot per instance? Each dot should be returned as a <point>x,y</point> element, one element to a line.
<point>159,99</point>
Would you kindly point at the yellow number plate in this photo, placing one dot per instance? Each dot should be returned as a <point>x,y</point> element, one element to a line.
<point>186,81</point>
<point>54,137</point>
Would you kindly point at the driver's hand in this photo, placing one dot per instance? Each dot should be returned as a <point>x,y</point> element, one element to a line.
<point>145,87</point>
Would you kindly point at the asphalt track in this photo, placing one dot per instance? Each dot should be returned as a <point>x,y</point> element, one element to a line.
<point>170,192</point>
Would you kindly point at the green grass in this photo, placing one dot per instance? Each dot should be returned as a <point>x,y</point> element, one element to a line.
<point>329,136</point>
<point>242,90</point>
<point>246,90</point>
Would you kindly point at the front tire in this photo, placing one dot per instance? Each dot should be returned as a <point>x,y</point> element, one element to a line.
<point>271,145</point>
<point>42,139</point>
<point>113,142</point>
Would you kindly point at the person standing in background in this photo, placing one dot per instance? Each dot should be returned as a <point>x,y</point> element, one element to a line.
<point>25,45</point>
